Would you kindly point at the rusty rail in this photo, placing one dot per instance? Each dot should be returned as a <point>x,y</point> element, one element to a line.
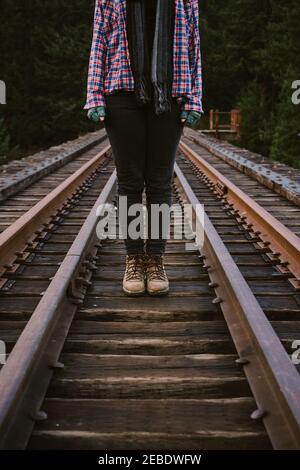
<point>284,243</point>
<point>273,378</point>
<point>261,171</point>
<point>25,377</point>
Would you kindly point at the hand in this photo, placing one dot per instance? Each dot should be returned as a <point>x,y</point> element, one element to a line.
<point>191,118</point>
<point>97,114</point>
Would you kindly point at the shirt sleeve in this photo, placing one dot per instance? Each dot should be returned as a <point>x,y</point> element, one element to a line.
<point>95,85</point>
<point>194,101</point>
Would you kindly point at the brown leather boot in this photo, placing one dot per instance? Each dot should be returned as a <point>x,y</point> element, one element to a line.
<point>157,281</point>
<point>134,277</point>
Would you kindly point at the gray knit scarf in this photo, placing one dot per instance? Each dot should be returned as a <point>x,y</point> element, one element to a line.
<point>158,69</point>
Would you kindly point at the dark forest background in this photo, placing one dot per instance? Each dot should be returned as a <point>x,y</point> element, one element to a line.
<point>250,51</point>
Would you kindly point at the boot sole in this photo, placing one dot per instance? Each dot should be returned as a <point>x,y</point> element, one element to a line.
<point>134,294</point>
<point>158,293</point>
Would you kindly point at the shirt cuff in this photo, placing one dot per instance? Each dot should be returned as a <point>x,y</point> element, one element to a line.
<point>95,101</point>
<point>193,104</point>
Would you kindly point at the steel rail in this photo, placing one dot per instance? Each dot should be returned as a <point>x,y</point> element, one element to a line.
<point>274,380</point>
<point>264,174</point>
<point>273,233</point>
<point>16,237</point>
<point>25,377</point>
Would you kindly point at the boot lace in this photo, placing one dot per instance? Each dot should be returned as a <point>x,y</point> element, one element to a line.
<point>134,267</point>
<point>155,268</point>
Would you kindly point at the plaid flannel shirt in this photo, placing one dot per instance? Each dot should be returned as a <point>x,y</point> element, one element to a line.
<point>109,67</point>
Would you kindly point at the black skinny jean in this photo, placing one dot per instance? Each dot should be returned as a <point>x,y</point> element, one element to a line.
<point>144,147</point>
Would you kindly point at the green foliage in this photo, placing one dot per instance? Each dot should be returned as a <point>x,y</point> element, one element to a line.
<point>4,142</point>
<point>248,46</point>
<point>44,49</point>
<point>257,122</point>
<point>285,145</point>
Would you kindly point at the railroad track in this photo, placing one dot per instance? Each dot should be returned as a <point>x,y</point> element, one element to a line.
<point>206,367</point>
<point>26,188</point>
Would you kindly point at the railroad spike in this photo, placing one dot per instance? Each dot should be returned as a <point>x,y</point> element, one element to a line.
<point>58,365</point>
<point>214,285</point>
<point>84,281</point>
<point>20,253</point>
<point>284,263</point>
<point>258,414</point>
<point>241,361</point>
<point>39,416</point>
<point>9,267</point>
<point>217,301</point>
<point>76,300</point>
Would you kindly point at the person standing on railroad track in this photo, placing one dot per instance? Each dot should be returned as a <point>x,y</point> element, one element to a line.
<point>145,83</point>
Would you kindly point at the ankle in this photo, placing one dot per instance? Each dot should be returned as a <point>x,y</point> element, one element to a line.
<point>135,254</point>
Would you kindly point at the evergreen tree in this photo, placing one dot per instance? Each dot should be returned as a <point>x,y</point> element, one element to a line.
<point>4,142</point>
<point>250,59</point>
<point>285,145</point>
<point>44,58</point>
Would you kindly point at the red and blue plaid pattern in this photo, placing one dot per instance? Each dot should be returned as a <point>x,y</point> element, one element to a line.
<point>109,68</point>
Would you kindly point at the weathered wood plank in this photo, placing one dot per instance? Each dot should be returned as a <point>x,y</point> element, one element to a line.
<point>97,365</point>
<point>221,440</point>
<point>171,416</point>
<point>151,386</point>
<point>153,304</point>
<point>132,344</point>
<point>175,273</point>
<point>202,329</point>
<point>177,288</point>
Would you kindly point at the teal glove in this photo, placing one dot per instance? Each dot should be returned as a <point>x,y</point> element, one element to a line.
<point>96,114</point>
<point>191,118</point>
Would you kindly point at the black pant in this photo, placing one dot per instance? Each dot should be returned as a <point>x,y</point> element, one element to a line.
<point>144,147</point>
